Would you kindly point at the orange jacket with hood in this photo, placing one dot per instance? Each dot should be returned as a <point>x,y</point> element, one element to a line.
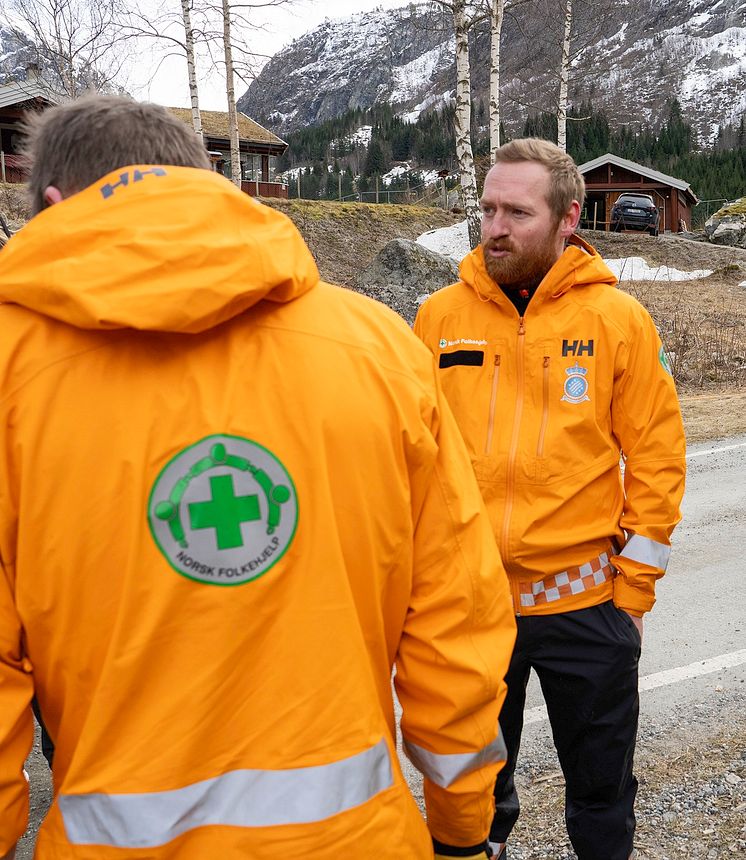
<point>547,403</point>
<point>231,499</point>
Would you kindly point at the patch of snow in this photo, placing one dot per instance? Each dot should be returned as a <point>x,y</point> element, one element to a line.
<point>452,241</point>
<point>637,269</point>
<point>409,79</point>
<point>362,135</point>
<point>433,100</point>
<point>389,177</point>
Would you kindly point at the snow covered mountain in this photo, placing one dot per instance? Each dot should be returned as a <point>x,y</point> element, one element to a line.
<point>631,57</point>
<point>16,52</point>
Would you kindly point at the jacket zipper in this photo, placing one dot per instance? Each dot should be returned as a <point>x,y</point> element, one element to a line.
<point>510,491</point>
<point>493,403</point>
<point>545,409</point>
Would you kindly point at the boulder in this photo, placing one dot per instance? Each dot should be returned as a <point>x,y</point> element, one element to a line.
<point>728,225</point>
<point>403,273</point>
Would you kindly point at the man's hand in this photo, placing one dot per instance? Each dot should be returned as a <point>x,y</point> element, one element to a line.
<point>637,622</point>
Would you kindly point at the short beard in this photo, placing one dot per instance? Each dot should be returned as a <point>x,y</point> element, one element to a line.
<point>522,272</point>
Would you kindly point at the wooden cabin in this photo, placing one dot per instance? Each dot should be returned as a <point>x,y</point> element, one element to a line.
<point>17,100</point>
<point>608,176</point>
<point>258,147</point>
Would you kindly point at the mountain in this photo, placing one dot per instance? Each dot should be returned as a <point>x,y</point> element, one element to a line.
<point>630,58</point>
<point>16,53</point>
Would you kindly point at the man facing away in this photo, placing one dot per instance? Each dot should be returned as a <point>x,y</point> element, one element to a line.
<point>553,374</point>
<point>231,499</point>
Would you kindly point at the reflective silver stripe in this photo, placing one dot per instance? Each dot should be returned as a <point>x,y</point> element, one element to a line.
<point>646,551</point>
<point>444,770</point>
<point>241,798</point>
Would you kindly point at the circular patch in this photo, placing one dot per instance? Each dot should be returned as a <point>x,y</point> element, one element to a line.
<point>443,343</point>
<point>576,387</point>
<point>223,511</point>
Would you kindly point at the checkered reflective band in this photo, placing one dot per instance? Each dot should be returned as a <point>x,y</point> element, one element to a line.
<point>572,581</point>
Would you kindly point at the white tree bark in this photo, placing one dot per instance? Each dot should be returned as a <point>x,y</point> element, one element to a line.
<point>230,92</point>
<point>564,76</point>
<point>191,67</point>
<point>497,13</point>
<point>464,152</point>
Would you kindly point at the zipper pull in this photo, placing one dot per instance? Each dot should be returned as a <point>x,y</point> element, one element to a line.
<point>497,361</point>
<point>521,327</point>
<point>546,361</point>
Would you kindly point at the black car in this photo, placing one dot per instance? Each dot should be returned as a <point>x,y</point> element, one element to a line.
<point>635,212</point>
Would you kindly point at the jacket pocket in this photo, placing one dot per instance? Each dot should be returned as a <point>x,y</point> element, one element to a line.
<point>493,403</point>
<point>544,408</point>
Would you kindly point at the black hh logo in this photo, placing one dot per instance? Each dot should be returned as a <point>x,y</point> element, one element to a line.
<point>577,347</point>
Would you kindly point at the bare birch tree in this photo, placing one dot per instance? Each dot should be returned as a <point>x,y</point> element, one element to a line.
<point>564,76</point>
<point>231,94</point>
<point>189,36</point>
<point>556,33</point>
<point>497,14</point>
<point>463,19</point>
<point>78,42</point>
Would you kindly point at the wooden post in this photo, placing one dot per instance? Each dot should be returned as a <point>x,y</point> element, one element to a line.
<point>300,171</point>
<point>376,188</point>
<point>2,164</point>
<point>339,186</point>
<point>595,213</point>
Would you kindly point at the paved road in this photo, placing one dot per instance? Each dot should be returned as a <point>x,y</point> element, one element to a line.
<point>700,614</point>
<point>694,653</point>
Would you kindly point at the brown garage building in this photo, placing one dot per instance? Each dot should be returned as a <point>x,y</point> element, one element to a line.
<point>608,176</point>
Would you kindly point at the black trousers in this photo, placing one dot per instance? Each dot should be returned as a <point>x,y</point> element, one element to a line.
<point>47,746</point>
<point>587,666</point>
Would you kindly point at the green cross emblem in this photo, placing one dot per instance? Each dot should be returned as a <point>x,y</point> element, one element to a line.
<point>224,512</point>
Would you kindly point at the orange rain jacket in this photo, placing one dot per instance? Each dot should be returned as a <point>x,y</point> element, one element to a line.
<point>231,499</point>
<point>546,404</point>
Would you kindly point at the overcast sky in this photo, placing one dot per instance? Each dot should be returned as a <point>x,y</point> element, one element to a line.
<point>165,81</point>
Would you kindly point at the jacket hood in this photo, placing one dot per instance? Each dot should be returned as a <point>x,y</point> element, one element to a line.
<point>580,264</point>
<point>175,249</point>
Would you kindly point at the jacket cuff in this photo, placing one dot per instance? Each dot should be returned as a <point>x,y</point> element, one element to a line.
<point>634,586</point>
<point>478,850</point>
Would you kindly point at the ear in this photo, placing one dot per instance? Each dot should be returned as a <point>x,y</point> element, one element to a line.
<point>569,221</point>
<point>52,195</point>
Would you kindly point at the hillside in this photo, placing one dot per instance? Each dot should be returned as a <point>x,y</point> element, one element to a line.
<point>702,321</point>
<point>631,58</point>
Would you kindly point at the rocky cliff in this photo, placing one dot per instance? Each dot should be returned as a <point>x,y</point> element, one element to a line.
<point>630,57</point>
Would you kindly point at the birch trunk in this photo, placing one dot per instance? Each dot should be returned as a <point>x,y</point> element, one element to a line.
<point>191,68</point>
<point>563,80</point>
<point>230,91</point>
<point>497,13</point>
<point>464,152</point>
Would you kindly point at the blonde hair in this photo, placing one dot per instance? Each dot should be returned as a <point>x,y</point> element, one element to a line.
<point>565,181</point>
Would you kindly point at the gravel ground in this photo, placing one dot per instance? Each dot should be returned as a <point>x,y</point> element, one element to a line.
<point>692,797</point>
<point>691,803</point>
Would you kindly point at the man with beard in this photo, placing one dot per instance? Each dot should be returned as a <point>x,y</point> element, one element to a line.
<point>555,376</point>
